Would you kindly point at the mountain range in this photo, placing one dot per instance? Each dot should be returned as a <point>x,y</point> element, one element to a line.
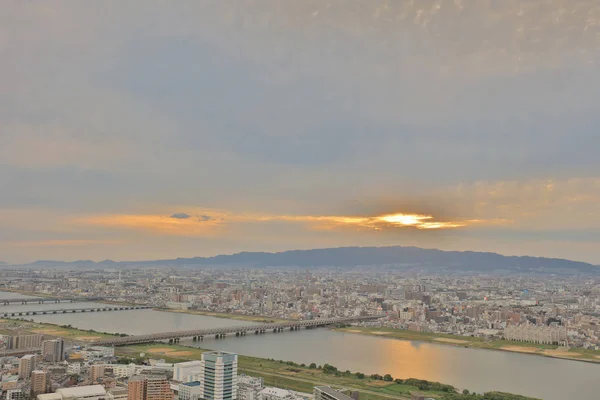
<point>397,257</point>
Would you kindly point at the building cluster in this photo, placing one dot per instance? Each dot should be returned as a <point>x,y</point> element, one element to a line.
<point>45,376</point>
<point>487,306</point>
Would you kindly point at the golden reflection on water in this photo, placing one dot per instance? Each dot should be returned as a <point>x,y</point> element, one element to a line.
<point>402,359</point>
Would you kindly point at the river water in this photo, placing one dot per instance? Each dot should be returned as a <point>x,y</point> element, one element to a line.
<point>474,369</point>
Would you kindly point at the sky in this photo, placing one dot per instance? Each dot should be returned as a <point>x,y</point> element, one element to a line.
<point>156,129</point>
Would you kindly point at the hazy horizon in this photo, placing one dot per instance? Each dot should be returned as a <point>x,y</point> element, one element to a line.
<point>154,130</point>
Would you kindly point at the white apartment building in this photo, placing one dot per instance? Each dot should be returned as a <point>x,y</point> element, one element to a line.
<point>536,334</point>
<point>272,393</point>
<point>249,387</point>
<point>187,371</point>
<point>123,370</point>
<point>74,368</point>
<point>190,391</point>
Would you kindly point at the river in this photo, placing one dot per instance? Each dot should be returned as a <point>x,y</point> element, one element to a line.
<point>475,369</point>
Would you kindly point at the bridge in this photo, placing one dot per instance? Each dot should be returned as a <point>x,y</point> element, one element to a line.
<point>42,300</point>
<point>19,352</point>
<point>198,334</point>
<point>7,314</point>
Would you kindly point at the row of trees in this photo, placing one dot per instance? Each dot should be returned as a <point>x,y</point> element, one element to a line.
<point>449,391</point>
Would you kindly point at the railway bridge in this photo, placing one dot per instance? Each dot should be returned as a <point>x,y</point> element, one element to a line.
<point>42,300</point>
<point>7,314</point>
<point>199,334</point>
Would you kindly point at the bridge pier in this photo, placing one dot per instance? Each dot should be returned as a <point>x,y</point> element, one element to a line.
<point>237,334</point>
<point>217,336</point>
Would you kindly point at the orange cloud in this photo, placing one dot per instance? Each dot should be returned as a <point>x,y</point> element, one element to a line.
<point>58,243</point>
<point>219,221</point>
<point>160,224</point>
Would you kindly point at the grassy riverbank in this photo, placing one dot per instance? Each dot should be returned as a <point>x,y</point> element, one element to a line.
<point>67,332</point>
<point>303,378</point>
<point>287,374</point>
<point>275,373</point>
<point>479,343</point>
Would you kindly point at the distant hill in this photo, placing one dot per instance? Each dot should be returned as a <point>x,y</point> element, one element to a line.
<point>393,257</point>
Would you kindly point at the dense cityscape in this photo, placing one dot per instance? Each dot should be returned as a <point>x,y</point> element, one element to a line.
<point>551,316</point>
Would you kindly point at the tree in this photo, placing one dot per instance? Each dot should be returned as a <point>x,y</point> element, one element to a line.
<point>329,369</point>
<point>312,366</point>
<point>360,375</point>
<point>466,392</point>
<point>388,378</point>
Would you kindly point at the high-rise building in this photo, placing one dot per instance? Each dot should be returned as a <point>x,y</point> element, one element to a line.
<point>53,350</point>
<point>96,371</point>
<point>39,382</point>
<point>26,366</point>
<point>219,376</point>
<point>149,387</point>
<point>24,342</point>
<point>249,387</point>
<point>187,371</point>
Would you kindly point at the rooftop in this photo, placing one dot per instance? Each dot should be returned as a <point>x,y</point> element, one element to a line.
<point>82,391</point>
<point>334,393</point>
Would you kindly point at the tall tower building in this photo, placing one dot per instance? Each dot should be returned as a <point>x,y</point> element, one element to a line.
<point>96,372</point>
<point>149,387</point>
<point>219,376</point>
<point>53,350</point>
<point>38,382</point>
<point>26,366</point>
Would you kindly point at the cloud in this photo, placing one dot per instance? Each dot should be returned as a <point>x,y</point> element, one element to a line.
<point>63,243</point>
<point>309,122</point>
<point>211,226</point>
<point>180,216</point>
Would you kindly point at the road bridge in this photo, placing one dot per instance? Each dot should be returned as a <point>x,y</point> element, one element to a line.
<point>42,300</point>
<point>7,314</point>
<point>199,334</point>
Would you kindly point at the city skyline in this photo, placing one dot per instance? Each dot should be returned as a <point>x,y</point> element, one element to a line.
<point>154,131</point>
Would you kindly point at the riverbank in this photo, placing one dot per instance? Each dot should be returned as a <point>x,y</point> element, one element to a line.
<point>283,374</point>
<point>303,378</point>
<point>10,326</point>
<point>239,317</point>
<point>575,354</point>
